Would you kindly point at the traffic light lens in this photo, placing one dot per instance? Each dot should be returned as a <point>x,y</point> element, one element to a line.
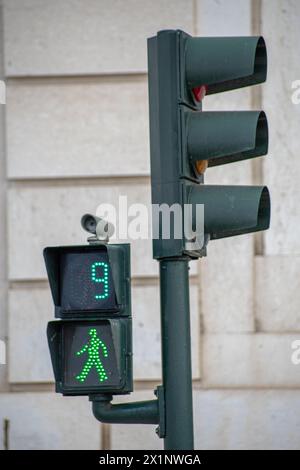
<point>86,282</point>
<point>89,355</point>
<point>199,93</point>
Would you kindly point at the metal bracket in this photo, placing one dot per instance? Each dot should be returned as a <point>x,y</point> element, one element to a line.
<point>161,428</point>
<point>142,412</point>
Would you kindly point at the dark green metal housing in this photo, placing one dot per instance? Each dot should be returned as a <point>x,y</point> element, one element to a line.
<point>182,135</point>
<point>116,320</point>
<point>119,258</point>
<point>122,336</point>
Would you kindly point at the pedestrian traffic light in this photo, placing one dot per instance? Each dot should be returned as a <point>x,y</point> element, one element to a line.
<point>91,347</point>
<point>184,140</point>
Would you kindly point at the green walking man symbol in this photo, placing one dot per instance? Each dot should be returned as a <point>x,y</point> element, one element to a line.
<point>92,347</point>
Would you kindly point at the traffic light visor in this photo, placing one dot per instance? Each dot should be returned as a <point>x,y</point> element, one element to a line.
<point>225,63</point>
<point>226,137</point>
<point>232,210</point>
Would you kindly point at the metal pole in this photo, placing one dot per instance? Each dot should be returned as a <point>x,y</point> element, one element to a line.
<point>176,353</point>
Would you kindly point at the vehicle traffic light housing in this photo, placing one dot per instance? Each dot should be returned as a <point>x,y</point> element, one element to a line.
<point>91,347</point>
<point>184,140</point>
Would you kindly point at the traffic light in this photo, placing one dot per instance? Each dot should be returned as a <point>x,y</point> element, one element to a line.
<point>91,347</point>
<point>184,140</point>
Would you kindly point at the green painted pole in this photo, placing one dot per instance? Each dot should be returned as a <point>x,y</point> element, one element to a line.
<point>176,353</point>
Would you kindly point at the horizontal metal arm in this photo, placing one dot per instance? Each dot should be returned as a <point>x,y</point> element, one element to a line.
<point>142,412</point>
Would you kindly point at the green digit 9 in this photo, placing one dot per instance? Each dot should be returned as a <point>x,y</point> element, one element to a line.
<point>103,279</point>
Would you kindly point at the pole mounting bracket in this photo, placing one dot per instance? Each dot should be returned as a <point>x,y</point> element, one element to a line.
<point>161,428</point>
<point>142,412</point>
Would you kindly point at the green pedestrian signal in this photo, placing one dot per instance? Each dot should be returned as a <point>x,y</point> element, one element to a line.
<point>92,347</point>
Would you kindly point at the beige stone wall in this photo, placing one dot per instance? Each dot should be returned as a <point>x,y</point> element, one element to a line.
<point>74,133</point>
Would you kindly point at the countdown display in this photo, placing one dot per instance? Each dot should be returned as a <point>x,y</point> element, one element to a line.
<point>89,356</point>
<point>86,281</point>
